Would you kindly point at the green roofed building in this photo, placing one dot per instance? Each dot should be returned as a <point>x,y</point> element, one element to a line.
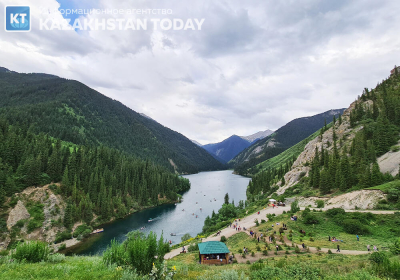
<point>213,252</point>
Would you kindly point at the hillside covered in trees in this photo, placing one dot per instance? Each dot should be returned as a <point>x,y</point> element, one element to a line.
<point>282,139</point>
<point>95,182</point>
<point>71,111</point>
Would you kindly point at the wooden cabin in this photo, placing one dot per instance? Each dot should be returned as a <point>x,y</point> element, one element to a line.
<point>213,252</point>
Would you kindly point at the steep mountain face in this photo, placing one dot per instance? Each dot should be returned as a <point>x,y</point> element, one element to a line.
<point>228,148</point>
<point>73,112</point>
<point>257,136</point>
<point>285,137</point>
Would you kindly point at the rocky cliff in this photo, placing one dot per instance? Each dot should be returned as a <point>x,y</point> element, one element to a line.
<point>300,167</point>
<point>37,215</point>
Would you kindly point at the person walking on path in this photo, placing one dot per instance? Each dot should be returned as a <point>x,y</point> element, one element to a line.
<point>368,248</point>
<point>277,248</point>
<point>329,238</point>
<point>338,248</point>
<point>358,238</point>
<point>375,249</point>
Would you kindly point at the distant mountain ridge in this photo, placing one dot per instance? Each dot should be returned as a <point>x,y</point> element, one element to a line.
<point>71,111</point>
<point>226,150</point>
<point>282,139</point>
<point>257,136</point>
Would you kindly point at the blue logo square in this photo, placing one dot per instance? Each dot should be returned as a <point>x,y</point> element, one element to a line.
<point>18,18</point>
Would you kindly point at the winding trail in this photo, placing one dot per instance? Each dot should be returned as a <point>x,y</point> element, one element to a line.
<point>249,222</point>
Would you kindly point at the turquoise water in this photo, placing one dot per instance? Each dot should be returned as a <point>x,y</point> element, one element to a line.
<point>207,192</point>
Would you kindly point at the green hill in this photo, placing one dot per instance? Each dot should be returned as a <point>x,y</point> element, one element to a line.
<point>71,111</point>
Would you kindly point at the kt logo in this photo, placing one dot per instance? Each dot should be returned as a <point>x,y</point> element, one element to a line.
<point>18,19</point>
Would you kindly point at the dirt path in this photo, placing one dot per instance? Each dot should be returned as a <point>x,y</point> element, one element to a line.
<point>377,212</point>
<point>248,222</point>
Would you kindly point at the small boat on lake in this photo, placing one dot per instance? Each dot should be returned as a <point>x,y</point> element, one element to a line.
<point>98,230</point>
<point>150,220</point>
<point>173,234</point>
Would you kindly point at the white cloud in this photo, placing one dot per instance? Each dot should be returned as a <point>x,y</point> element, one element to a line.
<point>254,65</point>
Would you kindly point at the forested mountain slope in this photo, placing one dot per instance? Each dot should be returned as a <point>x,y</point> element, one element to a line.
<point>285,137</point>
<point>344,157</point>
<point>95,182</point>
<point>73,112</point>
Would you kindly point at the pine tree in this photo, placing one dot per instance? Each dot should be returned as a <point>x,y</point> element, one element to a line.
<point>65,182</point>
<point>365,181</point>
<point>324,183</point>
<point>2,195</point>
<point>376,176</point>
<point>226,198</point>
<point>68,222</point>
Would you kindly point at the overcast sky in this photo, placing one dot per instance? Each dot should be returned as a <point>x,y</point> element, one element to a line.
<point>254,65</point>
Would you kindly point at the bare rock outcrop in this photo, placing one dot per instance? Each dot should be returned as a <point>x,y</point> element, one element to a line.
<point>362,199</point>
<point>389,162</point>
<point>301,167</point>
<point>18,213</point>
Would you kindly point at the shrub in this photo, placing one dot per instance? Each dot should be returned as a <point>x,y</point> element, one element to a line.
<point>334,212</point>
<point>258,248</point>
<point>353,226</point>
<point>265,252</point>
<point>263,221</point>
<point>61,236</point>
<point>31,251</point>
<point>311,239</point>
<point>287,252</point>
<point>378,257</point>
<point>329,251</point>
<point>247,262</point>
<point>253,254</point>
<point>297,250</point>
<point>395,248</point>
<point>194,247</point>
<point>270,217</point>
<point>37,217</point>
<point>185,237</point>
<point>223,238</point>
<point>138,252</point>
<point>235,261</point>
<point>320,203</point>
<point>257,223</point>
<point>294,207</point>
<point>62,247</point>
<point>56,258</point>
<point>20,223</point>
<point>83,230</point>
<point>310,218</point>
